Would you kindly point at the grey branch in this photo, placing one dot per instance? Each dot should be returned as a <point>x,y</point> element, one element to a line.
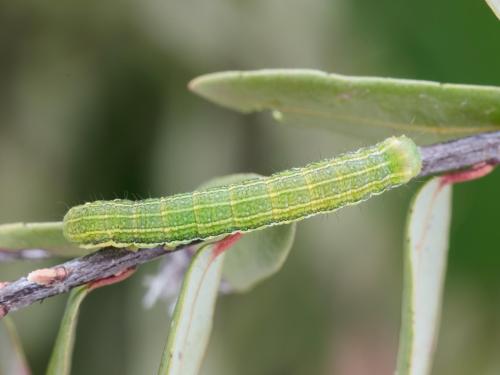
<point>460,153</point>
<point>437,158</point>
<point>99,265</point>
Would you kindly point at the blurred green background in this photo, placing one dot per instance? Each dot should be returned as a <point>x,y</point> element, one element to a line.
<point>93,104</point>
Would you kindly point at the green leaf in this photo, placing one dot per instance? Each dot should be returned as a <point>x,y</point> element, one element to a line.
<point>257,255</point>
<point>60,361</point>
<point>495,7</point>
<point>366,106</point>
<point>12,357</point>
<point>192,319</point>
<point>425,267</point>
<point>46,236</point>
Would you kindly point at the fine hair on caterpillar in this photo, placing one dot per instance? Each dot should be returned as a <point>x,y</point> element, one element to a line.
<point>257,203</point>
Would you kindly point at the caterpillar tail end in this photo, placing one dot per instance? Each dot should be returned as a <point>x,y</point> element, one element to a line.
<point>75,229</point>
<point>404,157</point>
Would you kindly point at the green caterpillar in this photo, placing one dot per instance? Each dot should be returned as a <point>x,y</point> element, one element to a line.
<point>292,195</point>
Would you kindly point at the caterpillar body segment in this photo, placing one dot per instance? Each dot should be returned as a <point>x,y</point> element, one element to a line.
<point>249,205</point>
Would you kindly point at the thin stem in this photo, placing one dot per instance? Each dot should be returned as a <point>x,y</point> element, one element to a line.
<point>461,153</point>
<point>99,265</point>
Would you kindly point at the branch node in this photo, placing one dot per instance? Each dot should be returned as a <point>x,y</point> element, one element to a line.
<point>47,276</point>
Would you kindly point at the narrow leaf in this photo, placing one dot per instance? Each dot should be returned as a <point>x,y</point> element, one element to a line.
<point>60,361</point>
<point>12,358</point>
<point>429,111</point>
<point>495,7</point>
<point>425,267</point>
<point>46,236</point>
<point>257,255</point>
<point>192,319</point>
<point>62,353</point>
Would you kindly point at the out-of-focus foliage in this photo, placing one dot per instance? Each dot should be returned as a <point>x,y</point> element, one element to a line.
<point>93,104</point>
<point>12,356</point>
<point>46,236</point>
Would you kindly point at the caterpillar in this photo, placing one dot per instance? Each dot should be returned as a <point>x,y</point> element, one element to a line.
<point>257,203</point>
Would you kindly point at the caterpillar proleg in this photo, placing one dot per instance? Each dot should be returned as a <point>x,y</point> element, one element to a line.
<point>283,197</point>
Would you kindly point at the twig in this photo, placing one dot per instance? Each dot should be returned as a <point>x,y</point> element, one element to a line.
<point>461,153</point>
<point>101,264</point>
<point>438,158</point>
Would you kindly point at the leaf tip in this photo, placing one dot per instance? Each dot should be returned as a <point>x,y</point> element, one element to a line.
<point>200,84</point>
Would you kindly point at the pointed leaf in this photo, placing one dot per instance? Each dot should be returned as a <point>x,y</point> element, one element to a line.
<point>425,266</point>
<point>192,319</point>
<point>12,358</point>
<point>429,111</point>
<point>46,236</point>
<point>257,255</point>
